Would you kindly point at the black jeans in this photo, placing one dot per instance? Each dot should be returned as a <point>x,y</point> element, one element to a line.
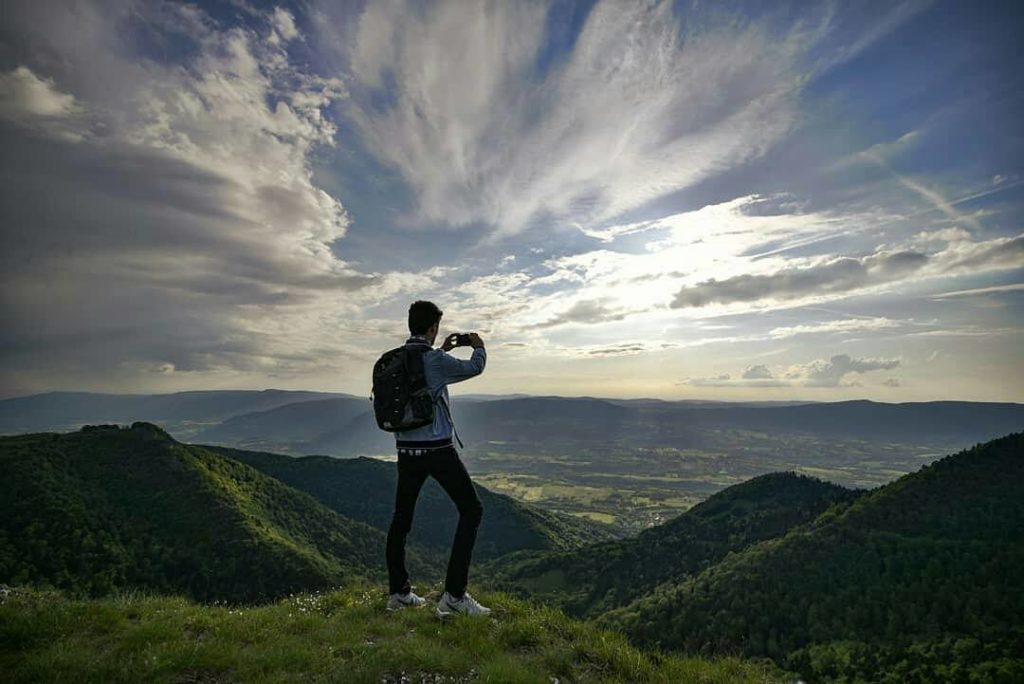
<point>445,466</point>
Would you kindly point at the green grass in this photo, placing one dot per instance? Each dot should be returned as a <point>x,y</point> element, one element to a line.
<point>338,636</point>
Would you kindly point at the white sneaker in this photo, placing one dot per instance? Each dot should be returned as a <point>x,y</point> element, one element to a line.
<point>467,605</point>
<point>410,600</point>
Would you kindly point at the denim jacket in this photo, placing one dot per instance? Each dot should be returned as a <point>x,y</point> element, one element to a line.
<point>441,369</point>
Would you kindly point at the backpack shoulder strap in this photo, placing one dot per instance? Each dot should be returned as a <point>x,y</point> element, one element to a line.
<point>451,421</point>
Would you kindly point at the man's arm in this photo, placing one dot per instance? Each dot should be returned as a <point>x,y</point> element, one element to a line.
<point>457,370</point>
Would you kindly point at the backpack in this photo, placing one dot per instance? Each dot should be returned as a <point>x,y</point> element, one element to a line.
<point>401,400</point>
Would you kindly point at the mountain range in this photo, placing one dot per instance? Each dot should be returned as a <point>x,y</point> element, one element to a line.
<point>71,410</point>
<point>342,425</point>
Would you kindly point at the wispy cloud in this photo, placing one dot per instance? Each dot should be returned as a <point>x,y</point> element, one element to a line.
<point>846,325</point>
<point>640,106</point>
<point>974,292</point>
<point>844,275</point>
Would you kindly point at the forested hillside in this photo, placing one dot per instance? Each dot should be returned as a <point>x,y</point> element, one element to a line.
<point>110,507</point>
<point>594,579</point>
<point>363,489</point>
<point>919,580</point>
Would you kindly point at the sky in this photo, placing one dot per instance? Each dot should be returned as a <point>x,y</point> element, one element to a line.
<point>682,200</point>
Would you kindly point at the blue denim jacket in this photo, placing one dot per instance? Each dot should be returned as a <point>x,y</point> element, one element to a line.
<point>442,369</point>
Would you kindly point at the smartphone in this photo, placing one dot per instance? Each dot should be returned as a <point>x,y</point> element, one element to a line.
<point>461,339</point>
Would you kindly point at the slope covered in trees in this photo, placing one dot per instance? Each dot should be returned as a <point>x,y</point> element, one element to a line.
<point>363,489</point>
<point>594,579</point>
<point>107,507</point>
<point>919,580</point>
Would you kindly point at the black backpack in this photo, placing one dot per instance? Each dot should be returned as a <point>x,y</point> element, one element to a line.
<point>401,400</point>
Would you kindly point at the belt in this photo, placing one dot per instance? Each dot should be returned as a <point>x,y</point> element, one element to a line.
<point>422,447</point>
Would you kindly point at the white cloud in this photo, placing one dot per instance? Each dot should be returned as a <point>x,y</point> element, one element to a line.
<point>23,95</point>
<point>836,326</point>
<point>974,292</point>
<point>36,104</point>
<point>189,209</point>
<point>831,373</point>
<point>819,373</point>
<point>284,25</point>
<point>757,372</point>
<point>639,108</point>
<point>705,262</point>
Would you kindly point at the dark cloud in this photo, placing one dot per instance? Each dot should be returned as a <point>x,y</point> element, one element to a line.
<point>584,311</point>
<point>848,274</point>
<point>160,217</point>
<point>619,349</point>
<point>837,275</point>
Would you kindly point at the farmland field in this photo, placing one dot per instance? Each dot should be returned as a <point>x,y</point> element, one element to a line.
<point>632,488</point>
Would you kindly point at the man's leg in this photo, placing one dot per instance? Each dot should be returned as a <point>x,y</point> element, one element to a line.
<point>411,476</point>
<point>447,468</point>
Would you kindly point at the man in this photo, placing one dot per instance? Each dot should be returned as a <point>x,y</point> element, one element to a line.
<point>428,451</point>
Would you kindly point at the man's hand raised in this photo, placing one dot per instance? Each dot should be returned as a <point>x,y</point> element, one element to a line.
<point>475,341</point>
<point>449,343</point>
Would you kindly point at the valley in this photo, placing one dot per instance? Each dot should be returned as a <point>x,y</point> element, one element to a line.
<point>634,488</point>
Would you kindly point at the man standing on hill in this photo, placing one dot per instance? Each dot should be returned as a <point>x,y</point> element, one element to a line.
<point>428,451</point>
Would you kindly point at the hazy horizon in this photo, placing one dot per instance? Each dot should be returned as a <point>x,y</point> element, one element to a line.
<point>468,392</point>
<point>668,200</point>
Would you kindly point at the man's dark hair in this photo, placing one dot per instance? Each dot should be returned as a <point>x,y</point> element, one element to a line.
<point>422,315</point>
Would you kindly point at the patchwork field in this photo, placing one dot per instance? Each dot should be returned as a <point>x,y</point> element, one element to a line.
<point>633,488</point>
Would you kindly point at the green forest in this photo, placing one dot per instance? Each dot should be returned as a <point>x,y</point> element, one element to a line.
<point>592,580</point>
<point>109,507</point>
<point>915,581</point>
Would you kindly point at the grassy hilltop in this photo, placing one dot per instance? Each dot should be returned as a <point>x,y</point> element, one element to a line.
<point>337,636</point>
